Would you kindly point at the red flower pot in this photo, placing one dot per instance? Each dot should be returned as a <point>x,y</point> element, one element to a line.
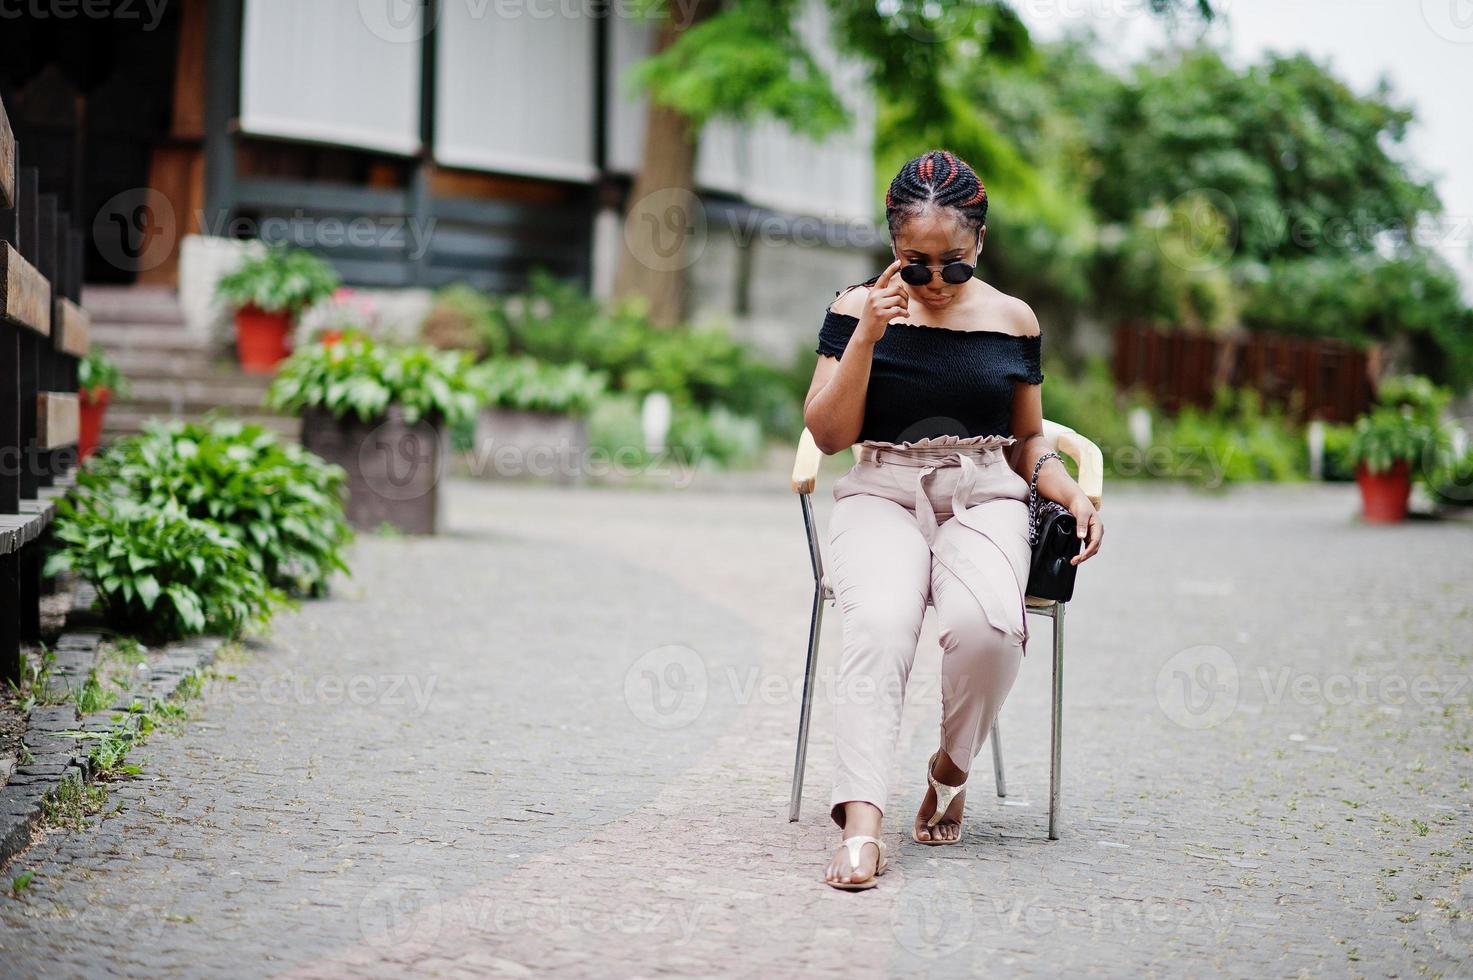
<point>261,339</point>
<point>1383,496</point>
<point>92,406</point>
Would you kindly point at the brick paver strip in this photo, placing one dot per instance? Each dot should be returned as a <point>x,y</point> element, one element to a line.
<point>557,740</point>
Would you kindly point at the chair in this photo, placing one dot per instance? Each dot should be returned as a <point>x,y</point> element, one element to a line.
<point>805,477</point>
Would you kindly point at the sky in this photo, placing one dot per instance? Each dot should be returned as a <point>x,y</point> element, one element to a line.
<point>1424,48</point>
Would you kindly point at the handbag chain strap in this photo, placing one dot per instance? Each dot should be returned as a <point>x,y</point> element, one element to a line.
<point>1033,513</point>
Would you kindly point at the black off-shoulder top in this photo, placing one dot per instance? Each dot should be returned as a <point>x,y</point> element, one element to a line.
<point>934,381</point>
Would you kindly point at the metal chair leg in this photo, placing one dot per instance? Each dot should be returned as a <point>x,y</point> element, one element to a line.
<point>1055,776</point>
<point>805,714</point>
<point>815,624</point>
<point>997,773</point>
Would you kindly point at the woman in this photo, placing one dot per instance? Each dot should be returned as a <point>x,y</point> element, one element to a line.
<point>936,375</point>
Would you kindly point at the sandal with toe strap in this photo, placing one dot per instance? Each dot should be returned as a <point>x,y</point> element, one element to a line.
<point>855,845</point>
<point>945,796</point>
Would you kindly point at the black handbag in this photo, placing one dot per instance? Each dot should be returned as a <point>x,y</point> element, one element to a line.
<point>1052,532</point>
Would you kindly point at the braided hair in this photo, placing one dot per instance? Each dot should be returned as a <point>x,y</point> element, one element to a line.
<point>938,179</point>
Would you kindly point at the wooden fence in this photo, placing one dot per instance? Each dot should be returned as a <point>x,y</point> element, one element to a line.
<point>1331,379</point>
<point>43,333</point>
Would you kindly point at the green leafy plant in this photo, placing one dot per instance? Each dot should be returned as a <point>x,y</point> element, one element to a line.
<point>719,435</point>
<point>21,882</point>
<point>557,321</point>
<point>361,376</point>
<point>1237,440</point>
<point>280,502</point>
<point>1389,434</point>
<point>109,753</point>
<point>97,370</point>
<point>92,696</point>
<point>1087,402</point>
<point>1404,425</point>
<point>707,367</point>
<point>532,385</point>
<point>282,279</point>
<point>34,686</point>
<point>159,572</point>
<point>110,747</point>
<point>1339,466</point>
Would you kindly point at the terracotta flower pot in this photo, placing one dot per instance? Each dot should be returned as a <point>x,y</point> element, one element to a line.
<point>1384,495</point>
<point>92,406</point>
<point>261,339</point>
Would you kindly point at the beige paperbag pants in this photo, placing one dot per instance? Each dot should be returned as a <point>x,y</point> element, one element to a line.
<point>941,520</point>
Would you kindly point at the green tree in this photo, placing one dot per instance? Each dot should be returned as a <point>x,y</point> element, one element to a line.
<point>746,60</point>
<point>1191,191</point>
<point>1304,164</point>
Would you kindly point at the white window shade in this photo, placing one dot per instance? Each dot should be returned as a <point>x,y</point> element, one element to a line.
<point>832,178</point>
<point>514,90</point>
<point>321,70</point>
<point>630,39</point>
<point>721,157</point>
<point>722,148</point>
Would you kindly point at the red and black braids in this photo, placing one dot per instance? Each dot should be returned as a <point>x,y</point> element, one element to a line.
<point>936,179</point>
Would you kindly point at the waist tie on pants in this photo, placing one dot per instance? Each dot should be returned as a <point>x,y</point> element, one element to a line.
<point>988,584</point>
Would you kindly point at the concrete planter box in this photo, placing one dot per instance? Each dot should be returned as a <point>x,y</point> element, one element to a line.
<point>512,444</point>
<point>394,469</point>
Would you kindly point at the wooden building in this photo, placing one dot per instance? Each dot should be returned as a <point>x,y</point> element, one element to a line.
<point>413,142</point>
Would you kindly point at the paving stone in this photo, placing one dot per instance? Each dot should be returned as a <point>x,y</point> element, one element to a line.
<point>77,639</point>
<point>541,742</point>
<point>53,718</point>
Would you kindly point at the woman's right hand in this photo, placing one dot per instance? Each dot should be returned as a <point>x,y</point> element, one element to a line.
<point>887,301</point>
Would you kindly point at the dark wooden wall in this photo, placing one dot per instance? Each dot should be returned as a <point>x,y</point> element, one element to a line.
<point>43,333</point>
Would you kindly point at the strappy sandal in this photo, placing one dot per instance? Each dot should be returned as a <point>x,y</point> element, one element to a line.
<point>945,795</point>
<point>855,845</point>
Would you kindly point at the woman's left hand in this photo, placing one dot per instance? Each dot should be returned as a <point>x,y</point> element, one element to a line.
<point>1090,528</point>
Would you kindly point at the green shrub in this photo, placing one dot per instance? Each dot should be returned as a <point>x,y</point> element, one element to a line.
<point>614,427</point>
<point>158,572</point>
<point>282,279</point>
<point>1452,483</point>
<point>1088,403</point>
<point>714,438</point>
<point>532,385</point>
<point>282,503</point>
<point>358,375</point>
<point>719,435</point>
<point>1244,441</point>
<point>707,367</point>
<point>1339,465</point>
<point>556,321</point>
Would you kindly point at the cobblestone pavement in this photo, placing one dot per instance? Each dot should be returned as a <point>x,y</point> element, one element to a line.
<point>558,739</point>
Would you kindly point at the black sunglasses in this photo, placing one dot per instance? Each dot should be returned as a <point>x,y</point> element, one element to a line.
<point>918,273</point>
